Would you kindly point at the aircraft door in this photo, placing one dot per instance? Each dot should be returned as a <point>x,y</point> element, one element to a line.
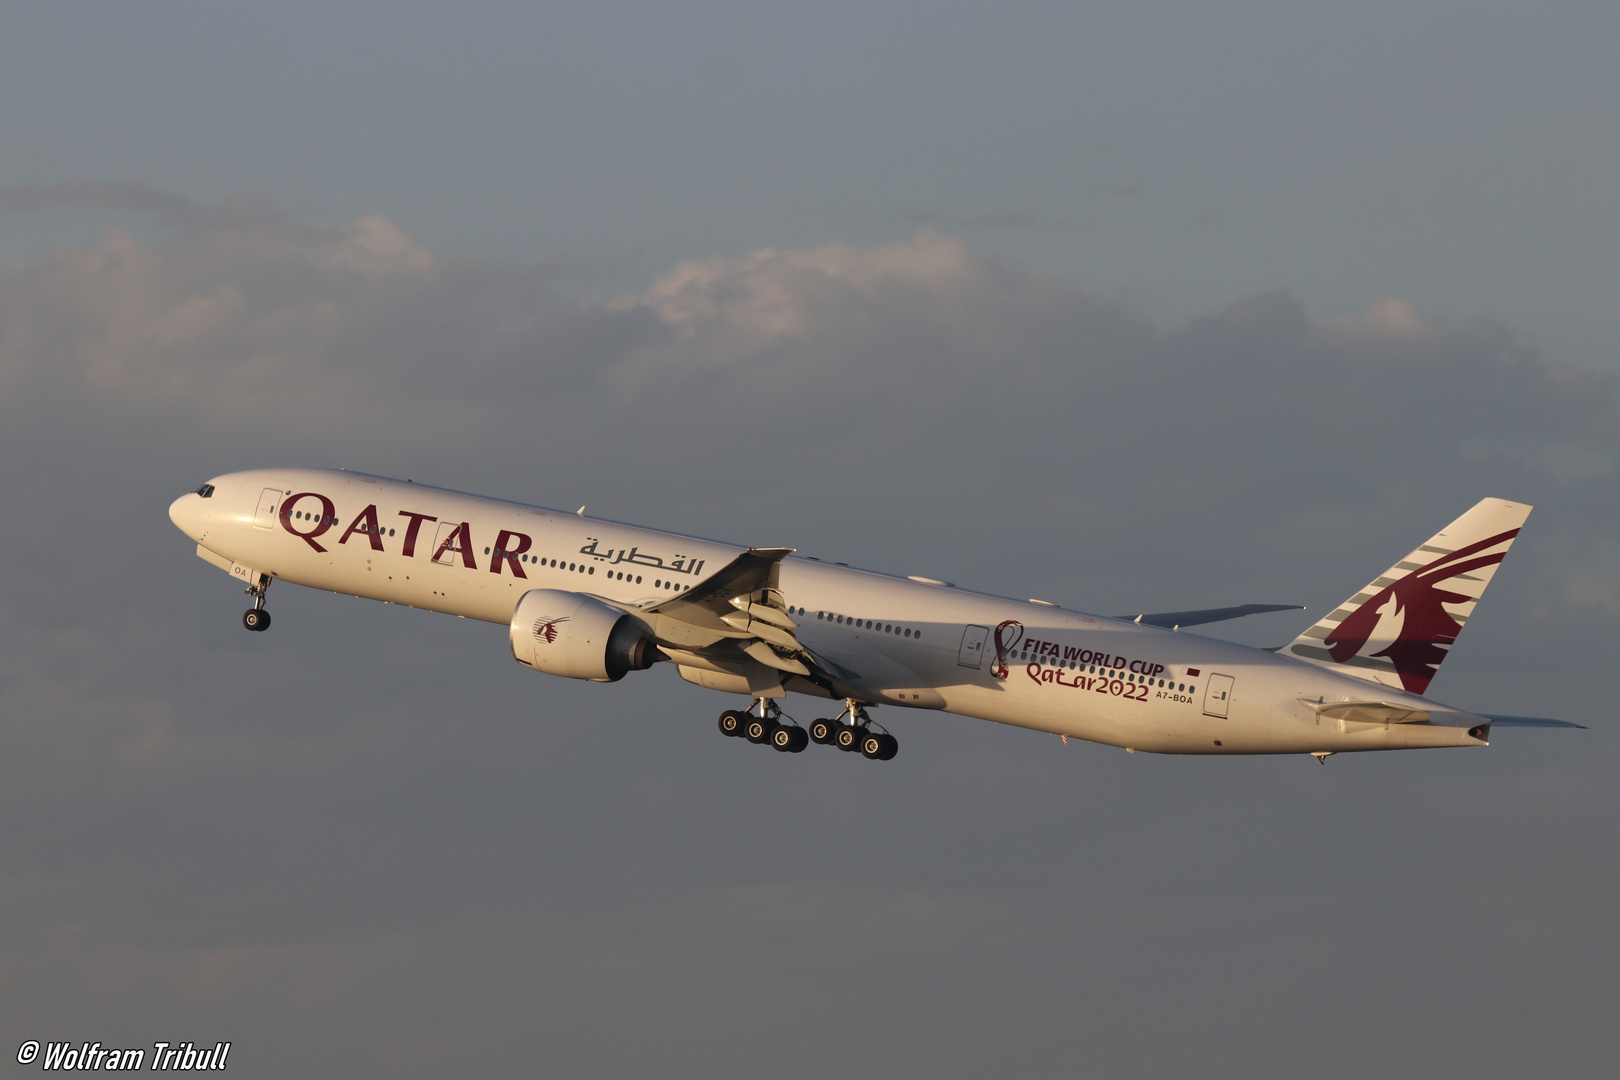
<point>972,652</point>
<point>1217,694</point>
<point>445,529</point>
<point>265,516</point>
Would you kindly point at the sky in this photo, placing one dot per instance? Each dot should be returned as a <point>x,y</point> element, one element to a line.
<point>1130,307</point>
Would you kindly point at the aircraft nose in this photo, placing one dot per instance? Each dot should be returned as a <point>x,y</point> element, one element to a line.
<point>187,514</point>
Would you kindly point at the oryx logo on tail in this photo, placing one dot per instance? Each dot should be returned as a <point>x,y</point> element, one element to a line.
<point>1398,629</point>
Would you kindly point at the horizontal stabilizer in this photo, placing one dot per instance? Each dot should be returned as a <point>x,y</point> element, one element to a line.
<point>1529,721</point>
<point>1169,619</point>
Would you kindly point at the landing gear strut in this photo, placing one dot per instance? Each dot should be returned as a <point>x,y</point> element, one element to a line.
<point>255,617</point>
<point>856,735</point>
<point>763,724</point>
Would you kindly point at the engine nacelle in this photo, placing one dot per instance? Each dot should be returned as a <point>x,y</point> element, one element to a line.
<point>569,634</point>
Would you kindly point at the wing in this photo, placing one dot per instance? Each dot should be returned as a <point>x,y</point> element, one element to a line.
<point>1172,619</point>
<point>705,602</point>
<point>735,621</point>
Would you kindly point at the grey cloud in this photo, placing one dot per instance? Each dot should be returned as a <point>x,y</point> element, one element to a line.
<point>722,73</point>
<point>165,209</point>
<point>367,828</point>
<point>1012,219</point>
<point>79,195</point>
<point>1125,188</point>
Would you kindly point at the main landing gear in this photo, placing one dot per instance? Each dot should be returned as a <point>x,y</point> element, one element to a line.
<point>761,725</point>
<point>255,617</point>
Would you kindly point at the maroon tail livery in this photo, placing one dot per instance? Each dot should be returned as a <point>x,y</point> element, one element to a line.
<point>1398,630</point>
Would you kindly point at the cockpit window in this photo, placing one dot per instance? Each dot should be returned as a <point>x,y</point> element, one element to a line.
<point>206,491</point>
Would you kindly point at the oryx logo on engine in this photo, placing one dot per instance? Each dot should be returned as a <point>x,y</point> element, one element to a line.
<point>546,629</point>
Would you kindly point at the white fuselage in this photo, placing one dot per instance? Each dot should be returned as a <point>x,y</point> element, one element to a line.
<point>899,641</point>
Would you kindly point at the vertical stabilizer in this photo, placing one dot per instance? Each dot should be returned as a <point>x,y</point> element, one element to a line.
<point>1398,629</point>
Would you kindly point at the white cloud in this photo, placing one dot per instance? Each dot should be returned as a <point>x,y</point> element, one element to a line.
<point>1384,320</point>
<point>237,316</point>
<point>376,247</point>
<point>727,310</point>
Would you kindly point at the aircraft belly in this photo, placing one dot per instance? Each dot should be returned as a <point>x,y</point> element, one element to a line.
<point>883,679</point>
<point>384,576</point>
<point>1263,720</point>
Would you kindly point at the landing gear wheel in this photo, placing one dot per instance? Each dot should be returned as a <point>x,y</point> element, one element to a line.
<point>821,732</point>
<point>731,723</point>
<point>785,738</point>
<point>759,730</point>
<point>256,618</point>
<point>801,739</point>
<point>847,737</point>
<point>879,747</point>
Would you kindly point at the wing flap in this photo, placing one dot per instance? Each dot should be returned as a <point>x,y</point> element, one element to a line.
<point>757,627</point>
<point>768,656</point>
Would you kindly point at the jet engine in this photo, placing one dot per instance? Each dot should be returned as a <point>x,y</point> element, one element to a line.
<point>570,634</point>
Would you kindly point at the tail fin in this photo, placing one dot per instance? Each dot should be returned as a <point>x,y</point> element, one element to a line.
<point>1398,629</point>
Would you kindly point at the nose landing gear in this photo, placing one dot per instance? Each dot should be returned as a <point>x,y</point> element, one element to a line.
<point>255,617</point>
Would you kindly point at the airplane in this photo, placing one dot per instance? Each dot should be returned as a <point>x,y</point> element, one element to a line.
<point>587,598</point>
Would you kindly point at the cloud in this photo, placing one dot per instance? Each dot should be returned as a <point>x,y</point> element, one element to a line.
<point>363,325</point>
<point>1029,382</point>
<point>1012,219</point>
<point>215,828</point>
<point>1132,187</point>
<point>86,195</point>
